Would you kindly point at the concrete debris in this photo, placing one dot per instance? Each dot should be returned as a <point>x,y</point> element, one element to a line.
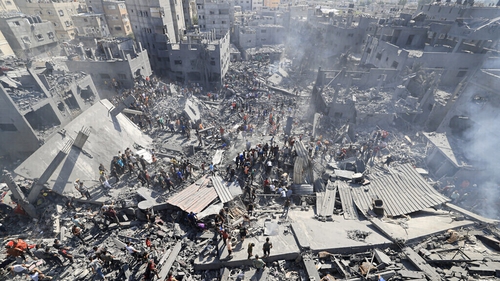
<point>275,170</point>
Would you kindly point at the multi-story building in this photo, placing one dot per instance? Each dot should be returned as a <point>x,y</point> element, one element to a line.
<point>91,25</point>
<point>257,5</point>
<point>452,49</point>
<point>117,18</point>
<point>112,63</point>
<point>115,13</point>
<point>215,15</point>
<point>8,6</point>
<point>246,5</point>
<point>59,13</point>
<point>5,49</point>
<point>190,13</point>
<point>155,24</point>
<point>257,36</point>
<point>271,4</point>
<point>28,36</point>
<point>200,59</point>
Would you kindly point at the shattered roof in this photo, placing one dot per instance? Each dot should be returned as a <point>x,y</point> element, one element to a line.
<point>404,191</point>
<point>196,197</point>
<point>108,135</point>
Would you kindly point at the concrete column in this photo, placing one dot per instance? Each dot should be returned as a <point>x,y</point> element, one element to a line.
<point>82,137</point>
<point>19,195</point>
<point>38,185</point>
<point>457,46</point>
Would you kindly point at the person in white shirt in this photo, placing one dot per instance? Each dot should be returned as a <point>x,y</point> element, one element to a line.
<point>18,268</point>
<point>131,250</point>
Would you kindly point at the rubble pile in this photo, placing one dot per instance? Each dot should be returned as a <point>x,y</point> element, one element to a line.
<point>249,182</point>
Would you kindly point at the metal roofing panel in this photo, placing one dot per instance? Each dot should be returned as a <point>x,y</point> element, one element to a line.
<point>404,191</point>
<point>350,212</point>
<point>196,197</point>
<point>221,189</point>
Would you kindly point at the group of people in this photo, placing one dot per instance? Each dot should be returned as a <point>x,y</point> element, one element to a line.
<point>30,254</point>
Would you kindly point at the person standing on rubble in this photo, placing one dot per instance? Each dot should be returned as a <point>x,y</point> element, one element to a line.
<point>243,232</point>
<point>64,251</point>
<point>258,263</point>
<point>267,248</point>
<point>77,232</point>
<point>150,270</point>
<point>250,250</point>
<point>143,162</point>
<point>229,247</point>
<point>84,191</point>
<point>286,207</point>
<point>96,267</point>
<point>170,277</point>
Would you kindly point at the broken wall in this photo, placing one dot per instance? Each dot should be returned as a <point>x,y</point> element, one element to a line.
<point>16,135</point>
<point>124,71</point>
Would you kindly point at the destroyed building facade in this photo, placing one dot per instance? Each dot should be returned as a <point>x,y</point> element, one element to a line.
<point>116,16</point>
<point>58,13</point>
<point>29,36</point>
<point>157,23</point>
<point>215,15</point>
<point>111,60</point>
<point>44,97</point>
<point>201,59</point>
<point>91,25</point>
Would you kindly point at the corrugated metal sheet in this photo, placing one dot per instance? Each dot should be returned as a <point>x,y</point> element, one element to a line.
<point>350,212</point>
<point>221,189</point>
<point>196,197</point>
<point>325,202</point>
<point>402,192</point>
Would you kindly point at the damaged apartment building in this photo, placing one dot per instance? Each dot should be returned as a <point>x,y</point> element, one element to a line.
<point>59,13</point>
<point>36,99</point>
<point>175,52</point>
<point>452,49</point>
<point>259,33</point>
<point>437,71</point>
<point>28,36</point>
<point>110,62</point>
<point>115,14</point>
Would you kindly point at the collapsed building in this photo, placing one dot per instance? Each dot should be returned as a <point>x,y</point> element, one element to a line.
<point>357,173</point>
<point>120,62</point>
<point>43,96</point>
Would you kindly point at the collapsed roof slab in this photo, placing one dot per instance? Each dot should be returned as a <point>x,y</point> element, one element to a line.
<point>284,248</point>
<point>404,191</point>
<point>108,135</point>
<point>333,236</point>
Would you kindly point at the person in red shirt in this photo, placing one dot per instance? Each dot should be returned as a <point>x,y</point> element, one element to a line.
<point>150,270</point>
<point>225,236</point>
<point>148,243</point>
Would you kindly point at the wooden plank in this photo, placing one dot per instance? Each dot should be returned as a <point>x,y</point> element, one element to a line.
<point>421,264</point>
<point>165,268</point>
